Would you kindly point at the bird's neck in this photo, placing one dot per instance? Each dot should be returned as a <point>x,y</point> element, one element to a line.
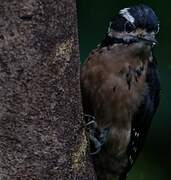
<point>137,48</point>
<point>109,41</point>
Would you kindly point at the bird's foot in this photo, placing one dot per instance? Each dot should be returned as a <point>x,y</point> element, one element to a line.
<point>91,122</point>
<point>103,135</point>
<point>97,145</point>
<point>90,119</point>
<point>98,139</point>
<point>98,136</point>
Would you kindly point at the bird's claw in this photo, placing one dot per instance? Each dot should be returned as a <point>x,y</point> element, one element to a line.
<point>89,116</point>
<point>91,121</point>
<point>99,141</point>
<point>97,136</point>
<point>92,124</point>
<point>103,135</point>
<point>96,143</point>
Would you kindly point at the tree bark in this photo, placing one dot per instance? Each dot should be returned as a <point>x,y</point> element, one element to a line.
<point>41,134</point>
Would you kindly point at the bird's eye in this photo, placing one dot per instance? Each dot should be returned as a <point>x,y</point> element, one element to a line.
<point>129,27</point>
<point>157,28</point>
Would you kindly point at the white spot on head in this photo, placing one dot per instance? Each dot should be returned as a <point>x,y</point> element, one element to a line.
<point>125,13</point>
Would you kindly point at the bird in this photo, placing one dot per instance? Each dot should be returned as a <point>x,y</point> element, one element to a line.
<point>120,88</point>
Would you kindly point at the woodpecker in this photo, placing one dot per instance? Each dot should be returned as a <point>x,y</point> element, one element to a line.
<point>121,90</point>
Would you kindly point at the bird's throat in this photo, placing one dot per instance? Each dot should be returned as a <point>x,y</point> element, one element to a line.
<point>109,41</point>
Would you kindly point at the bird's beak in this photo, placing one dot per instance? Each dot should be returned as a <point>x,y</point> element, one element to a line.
<point>149,39</point>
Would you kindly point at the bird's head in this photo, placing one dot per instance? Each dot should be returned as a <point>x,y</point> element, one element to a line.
<point>137,23</point>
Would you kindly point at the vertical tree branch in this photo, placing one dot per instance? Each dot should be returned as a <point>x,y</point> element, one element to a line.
<point>40,107</point>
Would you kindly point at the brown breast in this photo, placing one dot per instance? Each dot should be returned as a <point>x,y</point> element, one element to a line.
<point>115,80</point>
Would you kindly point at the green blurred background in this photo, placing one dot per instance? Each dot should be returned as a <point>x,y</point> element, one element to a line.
<point>154,163</point>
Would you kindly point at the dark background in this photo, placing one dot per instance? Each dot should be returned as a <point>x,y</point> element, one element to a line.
<point>154,163</point>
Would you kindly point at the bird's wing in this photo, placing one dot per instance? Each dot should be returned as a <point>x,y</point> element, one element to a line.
<point>144,115</point>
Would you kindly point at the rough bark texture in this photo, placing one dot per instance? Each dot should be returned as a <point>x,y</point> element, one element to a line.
<point>40,109</point>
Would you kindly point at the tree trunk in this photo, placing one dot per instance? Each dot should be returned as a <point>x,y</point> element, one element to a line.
<point>41,134</point>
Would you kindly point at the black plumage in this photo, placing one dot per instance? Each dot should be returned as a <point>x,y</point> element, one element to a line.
<point>144,115</point>
<point>144,17</point>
